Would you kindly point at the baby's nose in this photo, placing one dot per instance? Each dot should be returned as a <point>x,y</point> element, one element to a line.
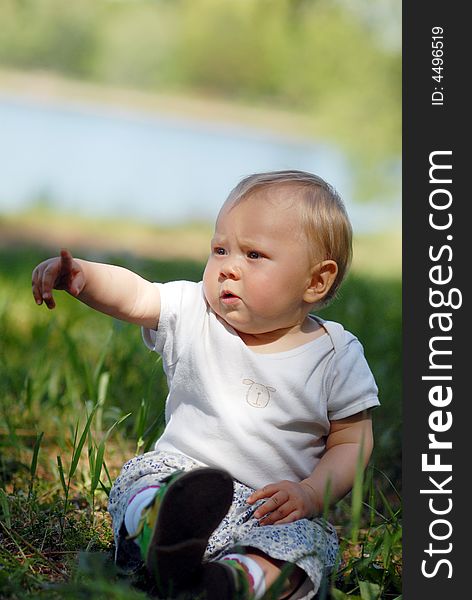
<point>230,270</point>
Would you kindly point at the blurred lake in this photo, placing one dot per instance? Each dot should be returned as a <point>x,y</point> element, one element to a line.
<point>121,163</point>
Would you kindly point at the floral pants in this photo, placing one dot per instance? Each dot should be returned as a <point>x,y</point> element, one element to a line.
<point>310,544</point>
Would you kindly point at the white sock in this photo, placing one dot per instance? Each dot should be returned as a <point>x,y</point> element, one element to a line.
<point>136,506</point>
<point>255,571</point>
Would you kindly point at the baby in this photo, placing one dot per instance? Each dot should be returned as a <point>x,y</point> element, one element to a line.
<point>267,414</point>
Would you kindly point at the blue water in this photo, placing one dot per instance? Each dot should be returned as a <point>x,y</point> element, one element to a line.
<point>116,163</point>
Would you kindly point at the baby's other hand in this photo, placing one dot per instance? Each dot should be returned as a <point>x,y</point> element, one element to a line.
<point>287,501</point>
<point>60,273</point>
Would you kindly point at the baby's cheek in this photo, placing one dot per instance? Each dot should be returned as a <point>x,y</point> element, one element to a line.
<point>209,290</point>
<point>263,295</point>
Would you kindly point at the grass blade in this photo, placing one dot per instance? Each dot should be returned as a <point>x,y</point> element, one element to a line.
<point>34,462</point>
<point>141,424</point>
<point>153,431</point>
<point>107,473</point>
<point>357,493</point>
<point>91,456</point>
<point>80,445</point>
<point>5,508</point>
<point>103,355</point>
<point>61,474</point>
<point>386,503</point>
<point>103,382</point>
<point>101,452</point>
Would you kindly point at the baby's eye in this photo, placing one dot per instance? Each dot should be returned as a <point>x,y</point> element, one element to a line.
<point>220,251</point>
<point>254,254</point>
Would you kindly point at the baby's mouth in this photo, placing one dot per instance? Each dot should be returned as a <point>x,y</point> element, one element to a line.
<point>228,296</point>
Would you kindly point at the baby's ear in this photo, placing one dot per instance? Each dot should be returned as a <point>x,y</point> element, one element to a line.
<point>323,277</point>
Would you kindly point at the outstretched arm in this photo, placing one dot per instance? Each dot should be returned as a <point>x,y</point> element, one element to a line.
<point>112,290</point>
<point>288,501</point>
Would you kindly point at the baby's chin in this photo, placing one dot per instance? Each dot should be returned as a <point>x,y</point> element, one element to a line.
<point>239,326</point>
<point>233,323</point>
<point>242,328</point>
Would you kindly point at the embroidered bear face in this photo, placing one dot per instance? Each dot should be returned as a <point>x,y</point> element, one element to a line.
<point>258,395</point>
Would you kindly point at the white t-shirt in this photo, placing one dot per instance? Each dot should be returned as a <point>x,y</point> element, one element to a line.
<point>262,417</point>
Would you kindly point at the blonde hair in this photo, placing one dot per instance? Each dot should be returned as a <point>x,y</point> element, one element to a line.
<point>324,217</point>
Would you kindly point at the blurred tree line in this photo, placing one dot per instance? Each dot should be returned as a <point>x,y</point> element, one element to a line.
<point>334,60</point>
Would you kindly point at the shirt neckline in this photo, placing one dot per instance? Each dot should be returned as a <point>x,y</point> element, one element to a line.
<point>321,341</point>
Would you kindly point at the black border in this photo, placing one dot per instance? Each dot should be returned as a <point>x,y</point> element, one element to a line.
<point>428,128</point>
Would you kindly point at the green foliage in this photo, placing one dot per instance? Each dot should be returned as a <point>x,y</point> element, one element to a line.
<point>321,58</point>
<point>371,309</point>
<point>370,560</point>
<point>48,33</point>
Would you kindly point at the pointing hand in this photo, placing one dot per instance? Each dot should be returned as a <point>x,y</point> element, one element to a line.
<point>59,273</point>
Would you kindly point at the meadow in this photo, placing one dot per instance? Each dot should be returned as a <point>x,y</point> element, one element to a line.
<point>80,394</point>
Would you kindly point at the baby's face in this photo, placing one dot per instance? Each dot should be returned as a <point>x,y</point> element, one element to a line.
<point>259,267</point>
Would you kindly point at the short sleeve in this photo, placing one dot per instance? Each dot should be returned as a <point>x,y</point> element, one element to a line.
<point>352,387</point>
<point>182,305</point>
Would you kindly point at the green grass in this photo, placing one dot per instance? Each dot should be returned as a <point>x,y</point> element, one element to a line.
<point>68,381</point>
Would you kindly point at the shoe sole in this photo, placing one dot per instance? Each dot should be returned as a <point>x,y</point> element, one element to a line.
<point>191,509</point>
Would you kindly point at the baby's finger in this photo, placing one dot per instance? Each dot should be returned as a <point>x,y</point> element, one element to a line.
<point>72,278</point>
<point>50,302</point>
<point>273,503</point>
<point>66,261</point>
<point>278,514</point>
<point>290,518</point>
<point>265,492</point>
<point>47,285</point>
<point>35,287</point>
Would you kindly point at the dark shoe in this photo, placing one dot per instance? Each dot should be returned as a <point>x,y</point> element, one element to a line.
<point>219,582</point>
<point>192,507</point>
